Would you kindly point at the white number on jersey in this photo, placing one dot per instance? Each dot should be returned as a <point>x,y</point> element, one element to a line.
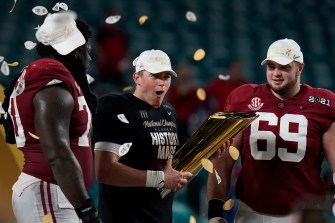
<point>271,148</point>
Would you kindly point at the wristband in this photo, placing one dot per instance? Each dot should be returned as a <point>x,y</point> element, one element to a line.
<point>88,212</point>
<point>215,208</point>
<point>155,179</point>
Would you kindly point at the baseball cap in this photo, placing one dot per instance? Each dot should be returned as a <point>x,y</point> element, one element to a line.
<point>153,61</point>
<point>284,51</point>
<point>60,31</point>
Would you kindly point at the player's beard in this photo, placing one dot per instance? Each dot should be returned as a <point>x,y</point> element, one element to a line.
<point>286,87</point>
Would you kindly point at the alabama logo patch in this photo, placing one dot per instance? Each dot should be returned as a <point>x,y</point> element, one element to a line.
<point>255,104</point>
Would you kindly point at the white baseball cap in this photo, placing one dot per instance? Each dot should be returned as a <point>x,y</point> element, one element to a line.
<point>60,31</point>
<point>284,51</point>
<point>153,61</point>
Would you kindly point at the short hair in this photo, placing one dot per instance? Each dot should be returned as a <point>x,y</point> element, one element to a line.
<point>44,51</point>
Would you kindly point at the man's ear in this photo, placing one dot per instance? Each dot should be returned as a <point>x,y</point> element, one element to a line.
<point>137,78</point>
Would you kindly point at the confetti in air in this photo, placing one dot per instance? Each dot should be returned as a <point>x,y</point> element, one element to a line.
<point>207,165</point>
<point>234,153</point>
<point>123,118</point>
<point>2,111</point>
<point>13,6</point>
<point>190,16</point>
<point>128,88</point>
<point>199,54</point>
<point>60,5</point>
<point>192,219</point>
<point>47,218</point>
<point>201,94</point>
<point>224,77</point>
<point>1,58</point>
<point>33,135</point>
<point>5,68</point>
<point>14,64</point>
<point>124,148</point>
<point>113,19</point>
<point>218,178</point>
<point>90,79</point>
<point>143,19</point>
<point>29,45</point>
<point>40,10</point>
<point>228,205</point>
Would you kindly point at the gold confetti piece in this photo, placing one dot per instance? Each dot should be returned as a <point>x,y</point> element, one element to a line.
<point>201,94</point>
<point>113,19</point>
<point>192,219</point>
<point>128,88</point>
<point>40,10</point>
<point>224,77</point>
<point>207,165</point>
<point>14,64</point>
<point>199,54</point>
<point>143,19</point>
<point>33,135</point>
<point>47,218</point>
<point>234,153</point>
<point>228,205</point>
<point>190,16</point>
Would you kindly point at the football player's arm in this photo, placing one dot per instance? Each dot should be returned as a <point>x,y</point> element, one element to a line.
<point>53,107</point>
<point>110,171</point>
<point>328,141</point>
<point>218,193</point>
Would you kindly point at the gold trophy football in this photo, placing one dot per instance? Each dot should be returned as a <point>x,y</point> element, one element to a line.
<point>217,129</point>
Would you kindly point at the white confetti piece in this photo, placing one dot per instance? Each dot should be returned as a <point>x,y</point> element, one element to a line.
<point>113,19</point>
<point>224,77</point>
<point>90,79</point>
<point>29,45</point>
<point>1,58</point>
<point>40,10</point>
<point>218,178</point>
<point>124,148</point>
<point>56,7</point>
<point>2,111</point>
<point>5,68</point>
<point>63,6</point>
<point>123,118</point>
<point>13,6</point>
<point>190,16</point>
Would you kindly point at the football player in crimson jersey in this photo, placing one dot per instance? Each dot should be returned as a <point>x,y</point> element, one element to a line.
<point>282,150</point>
<point>50,107</point>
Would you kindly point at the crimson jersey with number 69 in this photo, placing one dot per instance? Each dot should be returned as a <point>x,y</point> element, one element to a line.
<point>282,150</point>
<point>39,74</point>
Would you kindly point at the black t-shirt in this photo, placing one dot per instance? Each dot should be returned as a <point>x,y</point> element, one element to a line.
<point>153,135</point>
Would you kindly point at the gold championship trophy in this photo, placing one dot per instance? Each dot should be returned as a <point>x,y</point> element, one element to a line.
<point>217,129</point>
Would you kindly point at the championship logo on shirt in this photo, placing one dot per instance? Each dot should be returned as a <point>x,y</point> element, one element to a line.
<point>256,104</point>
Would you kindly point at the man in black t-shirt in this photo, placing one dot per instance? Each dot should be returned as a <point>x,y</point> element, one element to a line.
<point>135,138</point>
